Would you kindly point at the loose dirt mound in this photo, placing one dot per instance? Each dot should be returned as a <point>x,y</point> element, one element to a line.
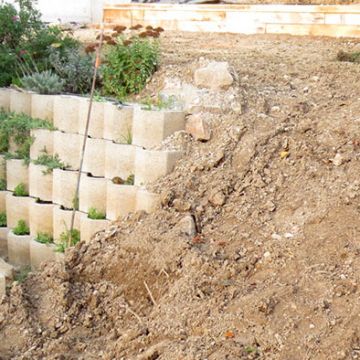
<point>273,272</point>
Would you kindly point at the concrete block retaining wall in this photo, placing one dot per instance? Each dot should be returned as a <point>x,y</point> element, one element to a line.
<point>117,147</point>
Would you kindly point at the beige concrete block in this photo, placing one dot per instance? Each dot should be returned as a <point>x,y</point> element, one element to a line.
<point>94,158</point>
<point>66,113</point>
<point>40,253</point>
<point>96,124</point>
<point>17,208</point>
<point>92,194</point>
<point>89,227</point>
<point>5,99</point>
<point>62,221</point>
<point>6,269</point>
<point>41,218</point>
<point>2,285</point>
<point>120,160</point>
<point>151,127</point>
<point>118,123</point>
<point>121,200</point>
<point>68,146</point>
<point>19,249</point>
<point>40,182</point>
<point>20,101</point>
<point>43,143</point>
<point>16,172</point>
<point>151,165</point>
<point>2,167</point>
<point>42,107</point>
<point>3,195</point>
<point>3,241</point>
<point>64,187</point>
<point>147,201</point>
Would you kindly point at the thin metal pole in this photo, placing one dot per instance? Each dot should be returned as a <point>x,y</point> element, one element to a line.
<point>96,66</point>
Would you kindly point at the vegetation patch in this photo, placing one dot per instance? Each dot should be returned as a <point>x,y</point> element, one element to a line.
<point>51,162</point>
<point>44,238</point>
<point>349,56</point>
<point>3,219</point>
<point>94,214</point>
<point>20,190</point>
<point>68,238</point>
<point>21,228</point>
<point>2,184</point>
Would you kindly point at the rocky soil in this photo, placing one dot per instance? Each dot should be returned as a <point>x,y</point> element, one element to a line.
<point>255,253</point>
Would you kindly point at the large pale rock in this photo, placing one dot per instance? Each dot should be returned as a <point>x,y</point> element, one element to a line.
<point>216,76</point>
<point>198,127</point>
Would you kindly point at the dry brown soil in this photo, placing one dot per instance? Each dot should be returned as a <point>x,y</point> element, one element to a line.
<point>274,272</point>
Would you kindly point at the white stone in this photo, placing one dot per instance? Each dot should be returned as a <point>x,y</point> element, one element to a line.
<point>216,76</point>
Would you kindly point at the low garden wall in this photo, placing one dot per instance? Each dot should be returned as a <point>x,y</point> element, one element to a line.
<point>119,162</point>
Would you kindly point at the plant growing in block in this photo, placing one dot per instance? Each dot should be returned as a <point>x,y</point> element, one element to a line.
<point>42,249</point>
<point>3,194</point>
<point>42,107</point>
<point>16,172</point>
<point>41,217</point>
<point>118,123</point>
<point>66,113</point>
<point>151,127</point>
<point>94,159</point>
<point>5,99</point>
<point>119,160</point>
<point>19,244</point>
<point>68,238</point>
<point>3,235</point>
<point>62,222</point>
<point>96,125</point>
<point>92,223</point>
<point>151,165</point>
<point>68,147</point>
<point>43,143</point>
<point>20,102</point>
<point>92,193</point>
<point>2,167</point>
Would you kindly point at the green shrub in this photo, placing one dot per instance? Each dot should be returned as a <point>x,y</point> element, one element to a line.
<point>94,214</point>
<point>128,67</point>
<point>21,228</point>
<point>65,240</point>
<point>43,83</point>
<point>51,162</point>
<point>44,238</point>
<point>76,68</point>
<point>2,184</point>
<point>349,56</point>
<point>3,219</point>
<point>20,190</point>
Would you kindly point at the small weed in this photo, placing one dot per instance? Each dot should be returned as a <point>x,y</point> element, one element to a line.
<point>20,190</point>
<point>119,181</point>
<point>349,56</point>
<point>2,184</point>
<point>22,274</point>
<point>159,103</point>
<point>44,238</point>
<point>51,162</point>
<point>130,180</point>
<point>3,220</point>
<point>94,214</point>
<point>65,240</point>
<point>127,139</point>
<point>21,228</point>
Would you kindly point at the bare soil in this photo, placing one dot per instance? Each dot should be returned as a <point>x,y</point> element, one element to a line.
<point>274,271</point>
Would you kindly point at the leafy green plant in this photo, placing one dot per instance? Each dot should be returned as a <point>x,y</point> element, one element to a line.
<point>3,219</point>
<point>130,180</point>
<point>20,190</point>
<point>21,275</point>
<point>129,67</point>
<point>76,68</point>
<point>44,238</point>
<point>2,184</point>
<point>43,83</point>
<point>21,228</point>
<point>349,56</point>
<point>65,240</point>
<point>51,162</point>
<point>94,214</point>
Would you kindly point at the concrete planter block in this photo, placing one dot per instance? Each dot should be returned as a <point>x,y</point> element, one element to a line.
<point>2,167</point>
<point>119,160</point>
<point>64,187</point>
<point>89,227</point>
<point>92,194</point>
<point>40,184</point>
<point>94,159</point>
<point>66,113</point>
<point>19,249</point>
<point>62,221</point>
<point>41,218</point>
<point>96,125</point>
<point>40,253</point>
<point>20,101</point>
<point>121,200</point>
<point>3,195</point>
<point>151,127</point>
<point>16,172</point>
<point>3,241</point>
<point>17,208</point>
<point>6,269</point>
<point>147,201</point>
<point>42,107</point>
<point>43,142</point>
<point>5,99</point>
<point>151,165</point>
<point>68,147</point>
<point>117,122</point>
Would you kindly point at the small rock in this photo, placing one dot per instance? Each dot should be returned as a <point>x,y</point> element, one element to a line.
<point>181,205</point>
<point>167,197</point>
<point>198,127</point>
<point>217,198</point>
<point>187,225</point>
<point>337,160</point>
<point>216,76</point>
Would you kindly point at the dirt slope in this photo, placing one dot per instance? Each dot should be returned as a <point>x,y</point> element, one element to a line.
<point>274,271</point>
